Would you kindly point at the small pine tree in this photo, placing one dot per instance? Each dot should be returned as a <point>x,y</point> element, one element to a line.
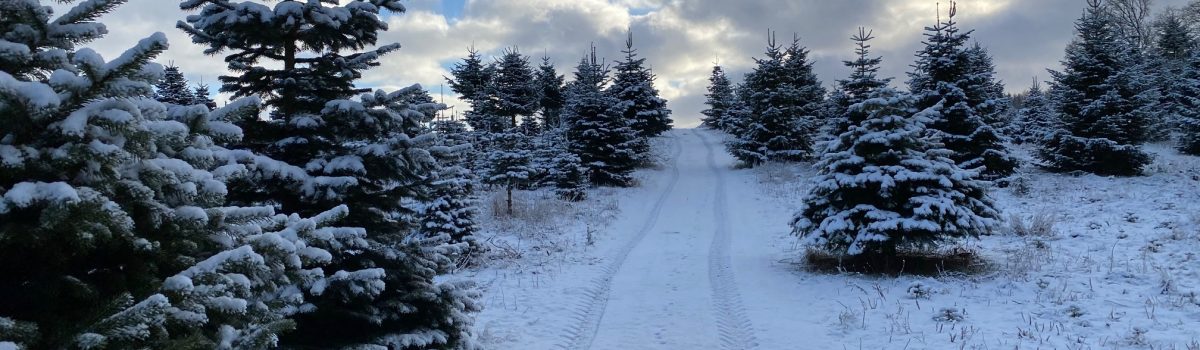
<point>637,99</point>
<point>569,175</point>
<point>1097,102</point>
<point>883,187</point>
<point>1036,119</point>
<point>599,135</point>
<point>942,79</point>
<point>509,164</point>
<point>173,88</point>
<point>451,210</point>
<point>720,100</point>
<point>200,96</point>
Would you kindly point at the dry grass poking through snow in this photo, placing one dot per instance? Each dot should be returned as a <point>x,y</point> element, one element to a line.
<point>1083,262</point>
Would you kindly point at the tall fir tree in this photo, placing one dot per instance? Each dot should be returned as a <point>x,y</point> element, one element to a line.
<point>637,99</point>
<point>368,151</point>
<point>883,187</point>
<point>550,90</point>
<point>173,88</point>
<point>472,79</point>
<point>1093,94</point>
<point>863,81</point>
<point>719,99</point>
<point>941,79</point>
<point>783,97</point>
<point>598,134</point>
<point>1036,119</point>
<point>513,88</point>
<point>983,90</point>
<point>1188,94</point>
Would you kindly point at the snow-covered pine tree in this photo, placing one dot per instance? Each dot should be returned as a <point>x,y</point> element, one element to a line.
<point>1167,67</point>
<point>600,136</point>
<point>1094,97</point>
<point>1036,119</point>
<point>720,100</point>
<point>941,79</point>
<point>368,149</point>
<point>1175,41</point>
<point>173,88</point>
<point>863,81</point>
<point>1188,94</point>
<point>884,187</point>
<point>200,96</point>
<point>451,210</point>
<point>550,90</point>
<point>513,88</point>
<point>569,176</point>
<point>637,99</point>
<point>783,97</point>
<point>115,210</point>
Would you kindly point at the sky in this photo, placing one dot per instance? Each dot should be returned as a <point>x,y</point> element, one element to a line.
<point>681,39</point>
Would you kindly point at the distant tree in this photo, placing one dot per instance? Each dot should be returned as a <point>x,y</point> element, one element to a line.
<point>637,99</point>
<point>1097,101</point>
<point>883,186</point>
<point>984,92</point>
<point>1036,119</point>
<point>473,80</point>
<point>513,87</point>
<point>173,88</point>
<point>783,98</point>
<point>200,96</point>
<point>1188,94</point>
<point>719,99</point>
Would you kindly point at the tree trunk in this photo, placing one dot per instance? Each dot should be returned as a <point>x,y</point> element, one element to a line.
<point>510,207</point>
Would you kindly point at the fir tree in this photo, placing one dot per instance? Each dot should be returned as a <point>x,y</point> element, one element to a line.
<point>173,88</point>
<point>637,99</point>
<point>367,151</point>
<point>509,164</point>
<point>783,98</point>
<point>550,88</point>
<point>1174,42</point>
<point>513,88</point>
<point>883,187</point>
<point>600,137</point>
<point>942,79</point>
<point>1036,119</point>
<point>200,96</point>
<point>984,92</point>
<point>451,211</point>
<point>569,175</point>
<point>863,81</point>
<point>720,100</point>
<point>1188,94</point>
<point>1096,100</point>
<point>472,79</point>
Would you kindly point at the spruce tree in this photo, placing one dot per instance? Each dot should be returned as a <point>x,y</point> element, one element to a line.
<point>783,98</point>
<point>513,88</point>
<point>1096,101</point>
<point>452,209</point>
<point>1188,94</point>
<point>863,81</point>
<point>509,164</point>
<point>983,90</point>
<point>550,90</point>
<point>173,88</point>
<point>472,79</point>
<point>1036,119</point>
<point>200,96</point>
<point>569,176</point>
<point>883,186</point>
<point>598,134</point>
<point>719,99</point>
<point>637,99</point>
<point>942,78</point>
<point>116,229</point>
<point>367,151</point>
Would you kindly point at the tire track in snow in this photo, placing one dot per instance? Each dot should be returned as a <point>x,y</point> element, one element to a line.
<point>590,311</point>
<point>733,325</point>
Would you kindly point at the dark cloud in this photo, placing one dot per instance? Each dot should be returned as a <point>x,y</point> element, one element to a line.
<point>680,38</point>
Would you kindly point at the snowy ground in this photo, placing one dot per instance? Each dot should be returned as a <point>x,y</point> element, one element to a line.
<point>699,257</point>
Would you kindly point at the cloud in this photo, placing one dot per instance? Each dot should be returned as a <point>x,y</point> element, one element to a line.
<point>680,38</point>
